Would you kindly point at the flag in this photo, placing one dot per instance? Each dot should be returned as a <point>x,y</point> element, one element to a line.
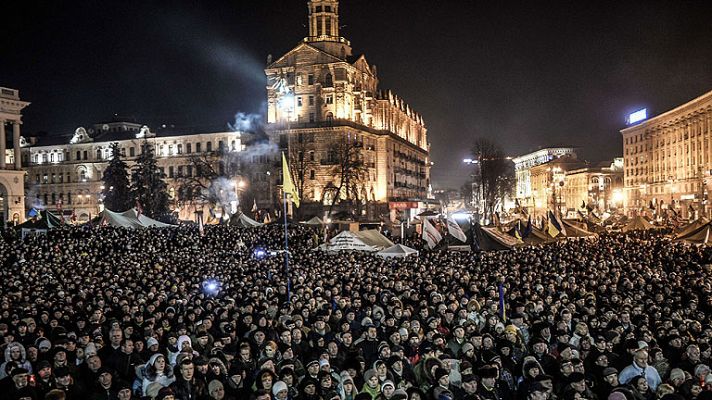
<point>254,205</point>
<point>267,219</point>
<point>287,182</point>
<point>61,212</point>
<point>553,226</point>
<point>454,229</point>
<point>583,204</point>
<point>74,215</point>
<point>651,205</point>
<point>139,209</point>
<point>430,234</point>
<point>502,306</point>
<point>528,229</point>
<point>201,228</point>
<point>518,231</point>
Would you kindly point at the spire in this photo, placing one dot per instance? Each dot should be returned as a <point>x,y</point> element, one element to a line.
<point>324,28</point>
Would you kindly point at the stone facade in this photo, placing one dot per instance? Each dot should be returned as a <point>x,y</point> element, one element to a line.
<point>668,160</point>
<point>12,193</point>
<point>522,170</point>
<point>599,187</point>
<point>68,170</point>
<point>320,99</point>
<point>547,184</point>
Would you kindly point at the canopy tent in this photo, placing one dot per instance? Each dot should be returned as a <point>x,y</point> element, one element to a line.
<point>315,221</point>
<point>692,227</point>
<point>130,219</point>
<point>702,235</point>
<point>397,250</point>
<point>576,231</point>
<point>43,220</point>
<point>428,213</point>
<point>370,241</point>
<point>491,238</point>
<point>637,224</point>
<point>244,221</point>
<point>536,236</point>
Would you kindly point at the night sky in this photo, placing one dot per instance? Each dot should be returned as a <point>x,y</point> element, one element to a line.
<point>527,74</point>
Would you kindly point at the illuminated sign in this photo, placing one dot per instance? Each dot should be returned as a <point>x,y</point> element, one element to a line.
<point>402,205</point>
<point>637,116</point>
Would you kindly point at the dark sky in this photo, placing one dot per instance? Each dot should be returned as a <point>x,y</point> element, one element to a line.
<point>527,74</point>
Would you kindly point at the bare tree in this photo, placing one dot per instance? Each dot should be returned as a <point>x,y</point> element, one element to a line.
<point>210,179</point>
<point>496,173</point>
<point>301,159</point>
<point>349,168</point>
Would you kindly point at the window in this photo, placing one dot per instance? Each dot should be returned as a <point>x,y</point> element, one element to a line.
<point>188,148</point>
<point>54,178</point>
<point>300,80</point>
<point>190,170</point>
<point>209,147</point>
<point>98,154</point>
<point>46,199</point>
<point>312,174</point>
<point>170,172</point>
<point>45,179</point>
<point>180,170</point>
<point>311,156</point>
<point>79,155</point>
<point>197,147</point>
<point>44,158</point>
<point>123,152</point>
<point>310,79</point>
<point>37,178</point>
<point>180,149</point>
<point>61,178</point>
<point>311,117</point>
<point>299,101</point>
<point>221,146</point>
<point>318,9</point>
<point>51,157</point>
<point>132,152</point>
<point>82,175</point>
<point>328,80</point>
<point>311,100</point>
<point>69,177</point>
<point>86,154</point>
<point>329,99</point>
<point>54,198</point>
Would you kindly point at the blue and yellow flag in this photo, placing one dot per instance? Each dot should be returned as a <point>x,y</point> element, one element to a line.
<point>287,183</point>
<point>553,227</point>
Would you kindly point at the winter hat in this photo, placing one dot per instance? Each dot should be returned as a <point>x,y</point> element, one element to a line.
<point>677,373</point>
<point>616,396</point>
<point>369,374</point>
<point>439,373</point>
<point>345,376</point>
<point>467,347</point>
<point>388,383</point>
<point>278,387</point>
<point>609,371</point>
<point>151,342</point>
<point>214,385</point>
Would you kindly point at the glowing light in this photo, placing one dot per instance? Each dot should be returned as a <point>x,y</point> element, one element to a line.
<point>211,287</point>
<point>461,216</point>
<point>259,253</point>
<point>618,196</point>
<point>638,116</point>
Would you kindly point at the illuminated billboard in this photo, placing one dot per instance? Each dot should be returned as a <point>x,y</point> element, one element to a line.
<point>637,116</point>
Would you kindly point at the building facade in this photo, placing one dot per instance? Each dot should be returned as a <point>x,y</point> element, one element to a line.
<point>64,173</point>
<point>525,190</point>
<point>668,160</point>
<point>326,110</point>
<point>547,184</point>
<point>597,187</point>
<point>12,191</point>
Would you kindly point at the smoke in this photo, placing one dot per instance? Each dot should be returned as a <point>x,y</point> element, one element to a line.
<point>224,192</point>
<point>247,123</point>
<point>33,198</point>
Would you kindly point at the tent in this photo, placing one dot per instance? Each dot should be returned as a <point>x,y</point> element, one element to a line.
<point>576,231</point>
<point>129,219</point>
<point>536,236</point>
<point>315,221</point>
<point>43,220</point>
<point>370,241</point>
<point>397,250</point>
<point>692,227</point>
<point>637,224</point>
<point>702,235</point>
<point>491,238</point>
<point>244,221</point>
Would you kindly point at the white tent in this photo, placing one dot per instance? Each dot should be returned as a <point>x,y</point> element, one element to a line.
<point>244,221</point>
<point>370,241</point>
<point>397,251</point>
<point>314,221</point>
<point>128,219</point>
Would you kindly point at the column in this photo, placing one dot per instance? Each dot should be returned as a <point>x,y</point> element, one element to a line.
<point>16,145</point>
<point>2,144</point>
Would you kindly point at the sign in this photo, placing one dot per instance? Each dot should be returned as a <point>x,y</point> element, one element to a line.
<point>402,205</point>
<point>637,116</point>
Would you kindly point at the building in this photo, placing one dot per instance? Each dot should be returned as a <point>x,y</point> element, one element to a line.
<point>327,111</point>
<point>547,184</point>
<point>12,190</point>
<point>668,160</point>
<point>597,187</point>
<point>65,172</point>
<point>522,170</point>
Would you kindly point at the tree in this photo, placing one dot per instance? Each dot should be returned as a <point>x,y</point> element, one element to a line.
<point>349,168</point>
<point>147,185</point>
<point>116,182</point>
<point>300,161</point>
<point>212,180</point>
<point>495,175</point>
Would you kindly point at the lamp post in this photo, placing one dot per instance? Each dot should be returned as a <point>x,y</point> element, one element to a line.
<point>476,199</point>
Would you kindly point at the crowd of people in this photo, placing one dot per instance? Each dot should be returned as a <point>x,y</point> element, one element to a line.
<point>112,313</point>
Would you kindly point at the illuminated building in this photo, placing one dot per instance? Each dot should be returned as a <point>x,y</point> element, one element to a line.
<point>68,169</point>
<point>599,187</point>
<point>525,193</point>
<point>12,193</point>
<point>547,184</point>
<point>668,160</point>
<point>320,99</point>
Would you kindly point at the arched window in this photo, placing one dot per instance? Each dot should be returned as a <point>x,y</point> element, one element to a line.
<point>328,81</point>
<point>98,154</point>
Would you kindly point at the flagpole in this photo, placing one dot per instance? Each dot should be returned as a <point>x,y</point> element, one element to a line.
<point>286,251</point>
